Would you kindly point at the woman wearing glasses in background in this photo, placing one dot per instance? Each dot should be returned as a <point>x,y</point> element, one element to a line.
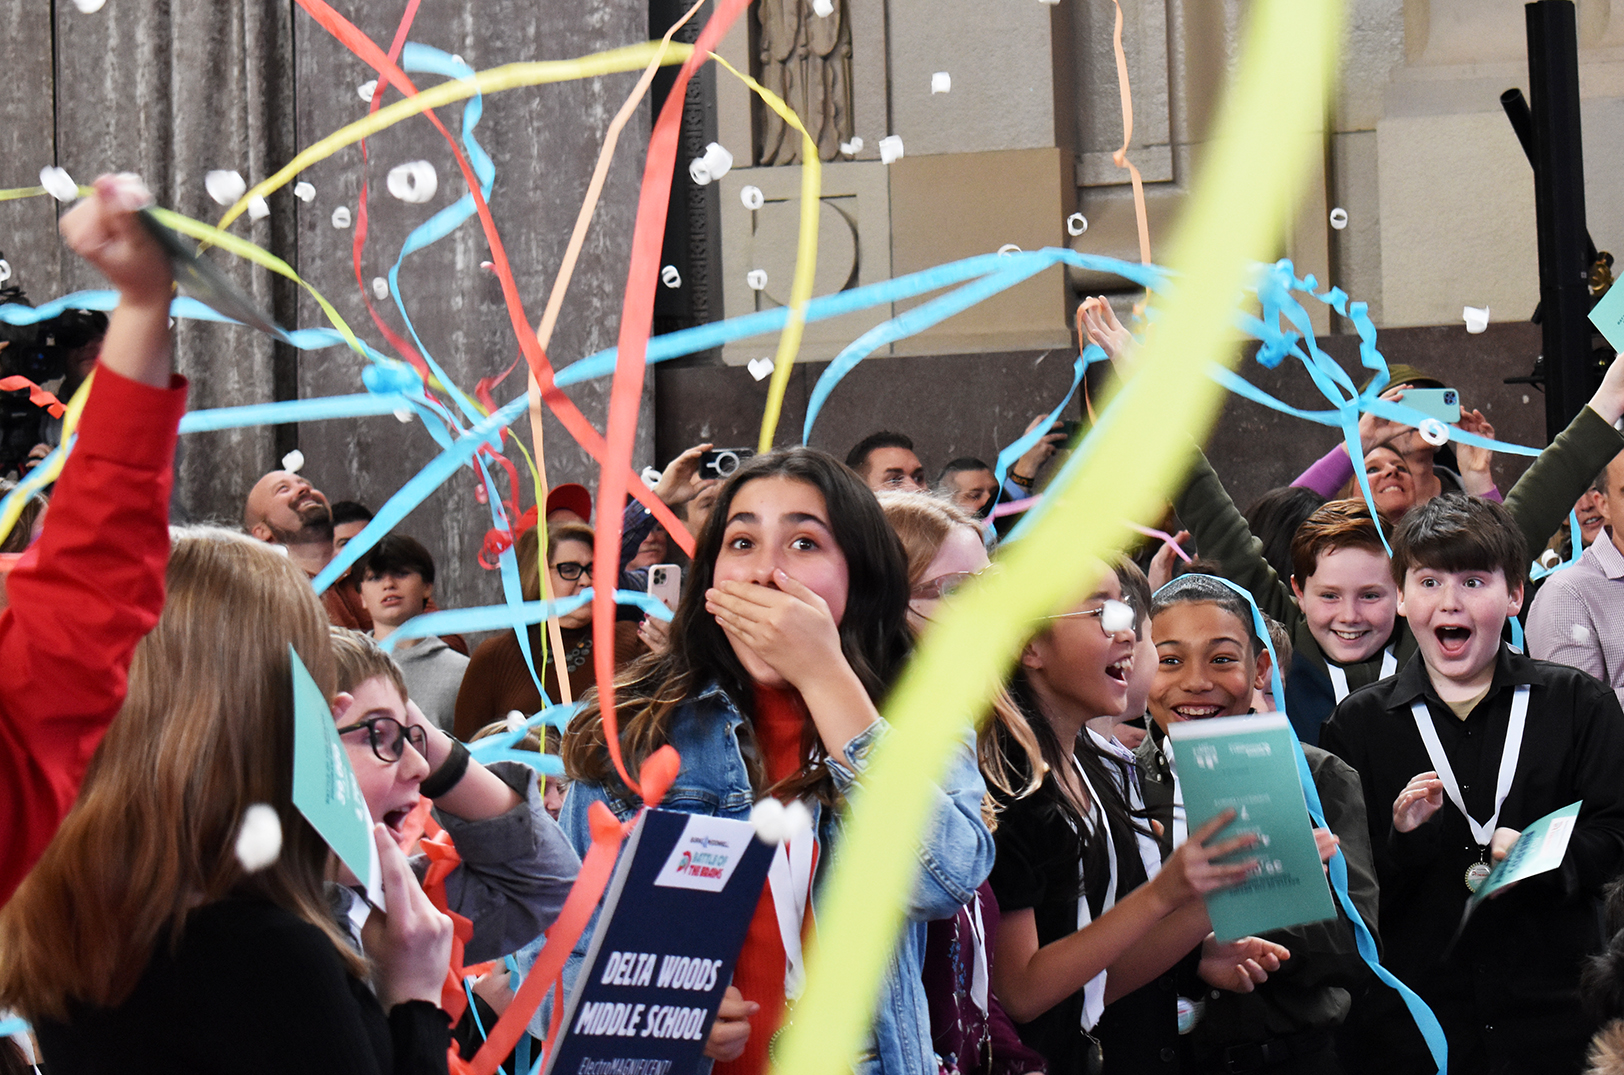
<point>499,679</point>
<point>1091,919</point>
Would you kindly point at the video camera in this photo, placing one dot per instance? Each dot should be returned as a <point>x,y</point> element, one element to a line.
<point>41,353</point>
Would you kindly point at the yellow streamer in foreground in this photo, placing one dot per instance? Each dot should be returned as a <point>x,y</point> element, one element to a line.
<point>806,260</point>
<point>1240,204</point>
<point>43,475</point>
<point>494,80</point>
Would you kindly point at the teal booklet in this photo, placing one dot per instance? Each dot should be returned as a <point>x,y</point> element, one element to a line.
<point>1539,849</point>
<point>324,785</point>
<point>1249,765</point>
<point>1608,317</point>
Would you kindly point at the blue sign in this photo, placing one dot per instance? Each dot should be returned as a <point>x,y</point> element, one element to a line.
<point>673,921</point>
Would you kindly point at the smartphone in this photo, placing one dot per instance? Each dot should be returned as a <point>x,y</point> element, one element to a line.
<point>665,582</point>
<point>1067,429</point>
<point>1440,403</point>
<point>722,462</point>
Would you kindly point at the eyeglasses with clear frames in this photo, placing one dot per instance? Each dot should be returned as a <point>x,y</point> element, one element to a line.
<point>389,737</point>
<point>1114,617</point>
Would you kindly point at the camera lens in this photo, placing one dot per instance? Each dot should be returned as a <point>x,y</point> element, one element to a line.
<point>726,463</point>
<point>1450,397</point>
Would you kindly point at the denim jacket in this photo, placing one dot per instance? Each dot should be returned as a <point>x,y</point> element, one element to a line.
<point>954,858</point>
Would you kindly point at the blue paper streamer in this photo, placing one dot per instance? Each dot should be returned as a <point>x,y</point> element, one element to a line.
<point>498,617</point>
<point>9,1027</point>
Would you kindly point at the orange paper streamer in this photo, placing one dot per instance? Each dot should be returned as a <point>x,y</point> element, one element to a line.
<point>1120,157</point>
<point>36,395</point>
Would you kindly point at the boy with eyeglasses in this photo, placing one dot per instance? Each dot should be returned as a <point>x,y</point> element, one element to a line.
<point>517,866</point>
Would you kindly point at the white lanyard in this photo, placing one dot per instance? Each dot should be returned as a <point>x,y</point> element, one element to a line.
<point>978,974</point>
<point>1094,991</point>
<point>1339,678</point>
<point>789,878</point>
<point>1482,833</point>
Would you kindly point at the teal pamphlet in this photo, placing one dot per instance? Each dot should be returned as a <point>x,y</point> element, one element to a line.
<point>324,785</point>
<point>1539,849</point>
<point>1249,765</point>
<point>1608,317</point>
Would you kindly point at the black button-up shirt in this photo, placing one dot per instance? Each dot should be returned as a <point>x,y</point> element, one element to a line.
<point>1516,966</point>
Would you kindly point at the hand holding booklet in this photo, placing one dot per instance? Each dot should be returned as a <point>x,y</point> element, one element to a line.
<point>1249,765</point>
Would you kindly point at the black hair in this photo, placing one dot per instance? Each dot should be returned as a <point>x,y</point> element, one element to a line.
<point>1107,774</point>
<point>857,458</point>
<point>1455,532</point>
<point>348,511</point>
<point>874,635</point>
<point>960,465</point>
<point>396,554</point>
<point>1274,518</point>
<point>1601,980</point>
<point>1204,589</point>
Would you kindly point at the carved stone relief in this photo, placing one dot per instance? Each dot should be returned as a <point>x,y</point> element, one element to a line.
<point>805,59</point>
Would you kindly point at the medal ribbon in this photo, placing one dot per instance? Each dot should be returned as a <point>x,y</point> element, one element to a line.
<point>1484,832</point>
<point>1339,678</point>
<point>789,878</point>
<point>1094,991</point>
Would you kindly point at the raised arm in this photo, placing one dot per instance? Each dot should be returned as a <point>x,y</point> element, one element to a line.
<point>1545,493</point>
<point>93,584</point>
<point>1221,533</point>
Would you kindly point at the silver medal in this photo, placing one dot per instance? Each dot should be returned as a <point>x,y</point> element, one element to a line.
<point>1476,874</point>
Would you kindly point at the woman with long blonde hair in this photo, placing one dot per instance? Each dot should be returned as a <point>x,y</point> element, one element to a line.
<point>140,942</point>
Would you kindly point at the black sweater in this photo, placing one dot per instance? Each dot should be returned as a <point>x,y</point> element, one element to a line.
<point>252,990</point>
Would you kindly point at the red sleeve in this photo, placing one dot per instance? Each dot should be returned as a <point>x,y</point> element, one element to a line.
<point>81,599</point>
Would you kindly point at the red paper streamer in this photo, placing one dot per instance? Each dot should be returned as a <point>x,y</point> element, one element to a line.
<point>36,395</point>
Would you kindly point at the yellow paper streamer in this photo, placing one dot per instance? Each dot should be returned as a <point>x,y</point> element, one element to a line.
<point>37,479</point>
<point>494,80</point>
<point>21,192</point>
<point>248,251</point>
<point>1249,181</point>
<point>806,260</point>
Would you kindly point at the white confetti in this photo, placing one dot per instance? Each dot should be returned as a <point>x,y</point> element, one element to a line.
<point>1581,633</point>
<point>89,7</point>
<point>941,82</point>
<point>491,265</point>
<point>698,172</point>
<point>259,841</point>
<point>1009,248</point>
<point>380,287</point>
<point>225,187</point>
<point>304,191</point>
<point>341,217</point>
<point>670,277</point>
<point>257,209</point>
<point>404,415</point>
<point>5,270</point>
<point>1525,398</point>
<point>58,183</point>
<point>1116,617</point>
<point>515,720</point>
<point>717,160</point>
<point>1339,218</point>
<point>823,8</point>
<point>752,198</point>
<point>1548,560</point>
<point>366,89</point>
<point>1076,224</point>
<point>1433,432</point>
<point>756,278</point>
<point>650,477</point>
<point>293,462</point>
<point>797,820</point>
<point>413,182</point>
<point>854,147</point>
<point>760,368</point>
<point>1051,3</point>
<point>768,818</point>
<point>890,149</point>
<point>1476,318</point>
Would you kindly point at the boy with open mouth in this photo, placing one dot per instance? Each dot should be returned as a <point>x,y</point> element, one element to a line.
<point>1467,745</point>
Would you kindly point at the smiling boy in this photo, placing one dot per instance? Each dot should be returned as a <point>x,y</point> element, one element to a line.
<point>1465,747</point>
<point>1341,604</point>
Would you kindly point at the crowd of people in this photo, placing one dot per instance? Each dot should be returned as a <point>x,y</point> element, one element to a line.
<point>1057,921</point>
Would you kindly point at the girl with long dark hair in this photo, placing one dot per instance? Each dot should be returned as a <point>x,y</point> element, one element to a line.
<point>789,631</point>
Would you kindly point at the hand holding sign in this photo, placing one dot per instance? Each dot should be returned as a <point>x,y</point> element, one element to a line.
<point>410,946</point>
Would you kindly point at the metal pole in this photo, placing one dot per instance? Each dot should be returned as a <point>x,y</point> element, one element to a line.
<point>1559,195</point>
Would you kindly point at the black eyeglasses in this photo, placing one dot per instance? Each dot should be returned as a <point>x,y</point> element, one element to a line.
<point>569,570</point>
<point>389,737</point>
